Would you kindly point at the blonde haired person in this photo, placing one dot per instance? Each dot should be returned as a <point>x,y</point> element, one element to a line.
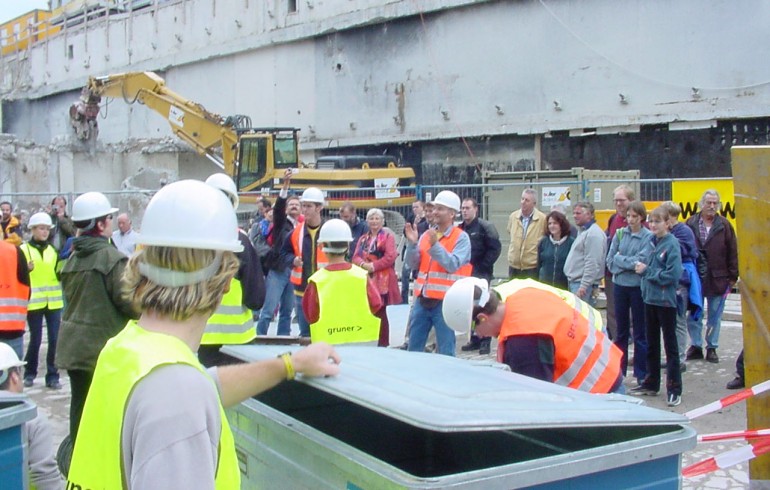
<point>154,416</point>
<point>375,252</point>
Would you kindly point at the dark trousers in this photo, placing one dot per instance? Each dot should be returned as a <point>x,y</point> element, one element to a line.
<point>406,274</point>
<point>384,339</point>
<point>609,295</point>
<point>739,367</point>
<point>662,319</point>
<point>35,321</point>
<point>522,273</point>
<point>629,305</point>
<point>80,382</point>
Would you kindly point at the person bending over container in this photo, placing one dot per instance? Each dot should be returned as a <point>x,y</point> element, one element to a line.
<point>539,334</point>
<point>340,301</point>
<point>154,417</point>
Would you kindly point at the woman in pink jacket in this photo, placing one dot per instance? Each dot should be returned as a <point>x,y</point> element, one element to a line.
<point>375,252</point>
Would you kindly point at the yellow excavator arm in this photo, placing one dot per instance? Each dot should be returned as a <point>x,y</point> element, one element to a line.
<point>255,158</point>
<point>190,121</point>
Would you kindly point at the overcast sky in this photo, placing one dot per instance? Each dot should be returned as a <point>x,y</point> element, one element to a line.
<point>14,8</point>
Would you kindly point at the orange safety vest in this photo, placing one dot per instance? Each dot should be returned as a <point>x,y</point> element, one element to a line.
<point>585,359</point>
<point>435,279</point>
<point>297,238</point>
<point>14,295</point>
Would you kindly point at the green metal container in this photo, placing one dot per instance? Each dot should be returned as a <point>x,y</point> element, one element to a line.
<point>396,419</point>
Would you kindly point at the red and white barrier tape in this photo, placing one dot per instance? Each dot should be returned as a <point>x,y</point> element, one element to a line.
<point>728,400</point>
<point>739,434</point>
<point>729,458</point>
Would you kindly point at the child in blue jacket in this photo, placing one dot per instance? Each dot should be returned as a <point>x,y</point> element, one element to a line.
<point>660,278</point>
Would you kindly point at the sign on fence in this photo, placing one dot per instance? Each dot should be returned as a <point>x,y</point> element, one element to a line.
<point>687,194</point>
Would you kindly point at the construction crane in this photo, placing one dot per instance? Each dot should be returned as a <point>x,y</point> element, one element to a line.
<point>255,157</point>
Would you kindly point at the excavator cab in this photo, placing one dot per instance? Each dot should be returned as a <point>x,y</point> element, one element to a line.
<point>262,152</point>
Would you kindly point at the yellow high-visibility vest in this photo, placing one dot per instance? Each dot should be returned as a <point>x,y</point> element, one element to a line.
<point>344,316</point>
<point>231,323</point>
<point>125,360</point>
<point>46,288</point>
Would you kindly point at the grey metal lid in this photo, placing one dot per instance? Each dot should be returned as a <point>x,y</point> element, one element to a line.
<point>448,394</point>
<point>15,409</point>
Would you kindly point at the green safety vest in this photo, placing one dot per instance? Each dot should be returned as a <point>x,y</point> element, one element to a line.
<point>127,358</point>
<point>345,315</point>
<point>46,288</point>
<point>231,323</point>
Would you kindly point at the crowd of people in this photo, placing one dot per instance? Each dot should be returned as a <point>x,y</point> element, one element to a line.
<point>659,276</point>
<point>105,296</point>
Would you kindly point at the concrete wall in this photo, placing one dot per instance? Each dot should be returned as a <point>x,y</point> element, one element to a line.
<point>376,72</point>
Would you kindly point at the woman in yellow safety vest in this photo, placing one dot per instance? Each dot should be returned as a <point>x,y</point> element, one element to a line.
<point>154,416</point>
<point>45,301</point>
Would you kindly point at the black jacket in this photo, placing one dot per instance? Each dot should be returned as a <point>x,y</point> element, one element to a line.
<point>485,247</point>
<point>282,228</point>
<point>721,251</point>
<point>250,274</point>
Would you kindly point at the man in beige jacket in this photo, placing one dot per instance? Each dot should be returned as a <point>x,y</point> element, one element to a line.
<point>526,227</point>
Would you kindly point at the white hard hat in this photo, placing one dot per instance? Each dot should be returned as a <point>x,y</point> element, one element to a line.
<point>91,205</point>
<point>448,199</point>
<point>335,230</point>
<point>190,214</point>
<point>224,183</point>
<point>8,359</point>
<point>312,194</point>
<point>40,219</point>
<point>458,303</point>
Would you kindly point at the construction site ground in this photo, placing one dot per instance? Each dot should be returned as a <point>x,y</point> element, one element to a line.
<point>703,383</point>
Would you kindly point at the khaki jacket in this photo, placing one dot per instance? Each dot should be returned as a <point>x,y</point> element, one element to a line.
<point>522,252</point>
<point>12,232</point>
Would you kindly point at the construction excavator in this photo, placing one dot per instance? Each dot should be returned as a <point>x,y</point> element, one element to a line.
<point>256,158</point>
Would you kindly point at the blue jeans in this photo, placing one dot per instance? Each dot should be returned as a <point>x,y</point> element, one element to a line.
<point>35,321</point>
<point>422,319</point>
<point>589,298</point>
<point>628,305</point>
<point>16,344</point>
<point>682,300</point>
<point>304,326</point>
<point>279,291</point>
<point>716,306</point>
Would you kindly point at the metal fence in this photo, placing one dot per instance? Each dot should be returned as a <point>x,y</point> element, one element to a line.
<point>496,201</point>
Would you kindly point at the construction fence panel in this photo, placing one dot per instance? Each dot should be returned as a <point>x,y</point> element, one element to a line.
<point>497,200</point>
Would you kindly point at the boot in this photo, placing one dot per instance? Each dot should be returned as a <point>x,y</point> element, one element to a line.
<point>473,344</point>
<point>485,346</point>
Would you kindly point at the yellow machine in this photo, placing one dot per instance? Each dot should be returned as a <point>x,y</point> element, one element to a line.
<point>256,158</point>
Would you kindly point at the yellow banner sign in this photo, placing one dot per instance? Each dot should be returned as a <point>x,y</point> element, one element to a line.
<point>687,194</point>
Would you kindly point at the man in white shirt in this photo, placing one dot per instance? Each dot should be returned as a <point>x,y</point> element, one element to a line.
<point>125,237</point>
